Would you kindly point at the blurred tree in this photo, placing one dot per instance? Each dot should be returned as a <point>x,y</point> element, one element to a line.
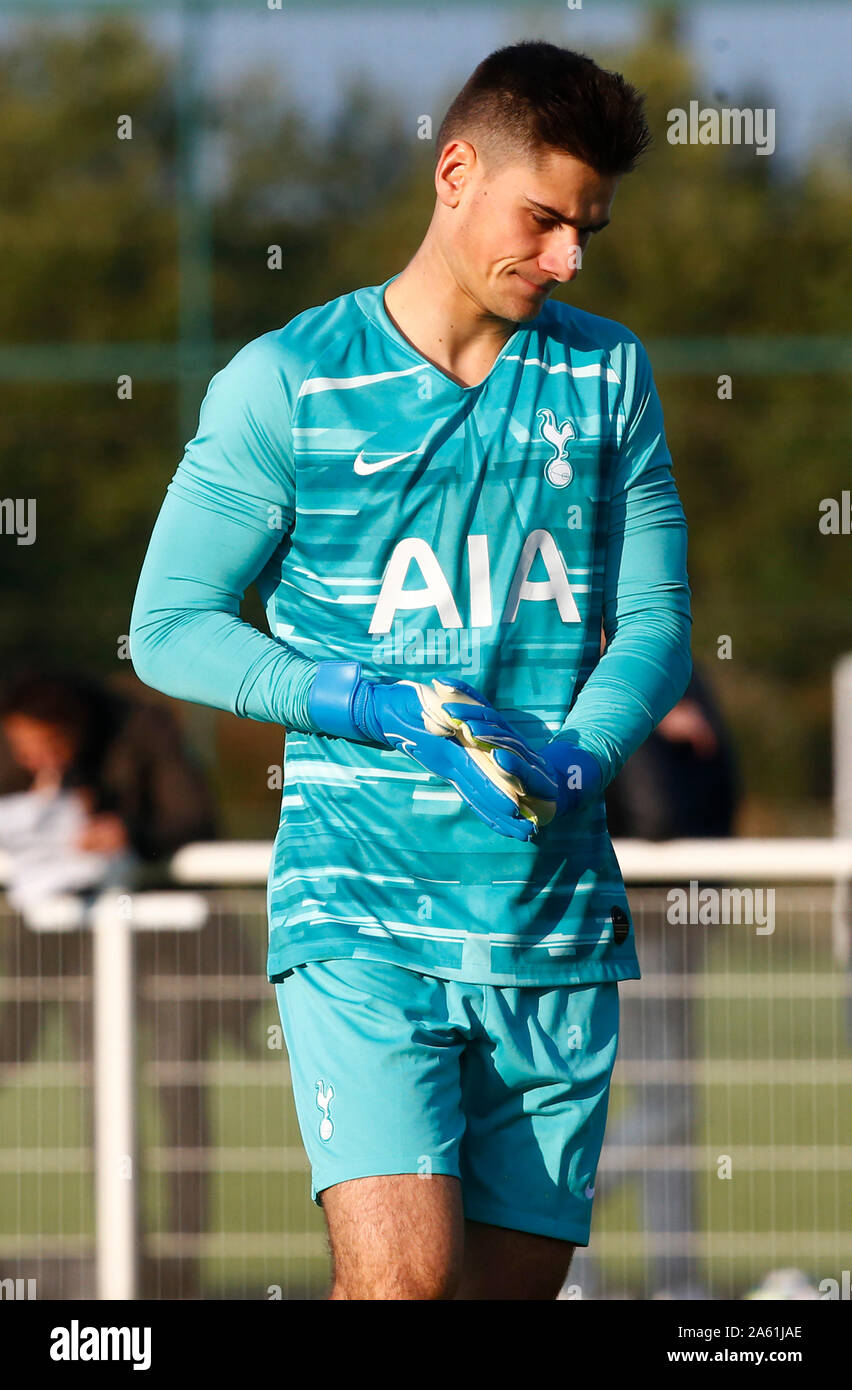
<point>88,228</point>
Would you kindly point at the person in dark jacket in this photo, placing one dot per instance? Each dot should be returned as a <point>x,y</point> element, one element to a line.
<point>682,783</point>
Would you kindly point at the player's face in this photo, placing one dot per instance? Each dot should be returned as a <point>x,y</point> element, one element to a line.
<point>37,746</point>
<point>525,229</point>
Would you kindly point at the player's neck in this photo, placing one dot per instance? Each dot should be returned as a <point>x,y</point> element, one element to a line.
<point>442,321</point>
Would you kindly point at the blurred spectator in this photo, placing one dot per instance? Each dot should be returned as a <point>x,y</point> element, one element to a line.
<point>681,784</point>
<point>100,788</point>
<point>142,790</point>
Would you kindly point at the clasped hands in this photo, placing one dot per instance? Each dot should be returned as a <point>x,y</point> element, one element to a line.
<point>455,733</point>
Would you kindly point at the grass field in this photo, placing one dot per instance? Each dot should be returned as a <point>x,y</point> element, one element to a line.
<point>774,1092</point>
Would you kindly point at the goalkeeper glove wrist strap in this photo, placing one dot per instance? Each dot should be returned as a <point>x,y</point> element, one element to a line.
<point>340,703</point>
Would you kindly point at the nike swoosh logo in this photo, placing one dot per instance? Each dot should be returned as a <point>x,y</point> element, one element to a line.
<point>362,467</point>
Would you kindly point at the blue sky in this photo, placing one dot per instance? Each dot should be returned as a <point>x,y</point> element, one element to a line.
<point>418,54</point>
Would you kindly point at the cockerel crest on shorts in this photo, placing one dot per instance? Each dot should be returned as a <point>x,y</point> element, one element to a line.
<point>325,1095</point>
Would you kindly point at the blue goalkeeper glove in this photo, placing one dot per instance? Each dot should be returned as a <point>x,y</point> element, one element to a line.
<point>556,780</point>
<point>416,719</point>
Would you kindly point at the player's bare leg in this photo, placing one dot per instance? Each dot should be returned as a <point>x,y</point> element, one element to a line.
<point>508,1264</point>
<point>395,1237</point>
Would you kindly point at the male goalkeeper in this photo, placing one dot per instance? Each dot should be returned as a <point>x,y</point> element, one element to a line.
<point>442,487</point>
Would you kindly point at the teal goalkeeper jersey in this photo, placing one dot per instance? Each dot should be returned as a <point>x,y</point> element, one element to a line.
<point>426,529</point>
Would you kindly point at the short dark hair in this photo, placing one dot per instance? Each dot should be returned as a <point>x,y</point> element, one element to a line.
<point>49,697</point>
<point>532,97</point>
<point>74,703</point>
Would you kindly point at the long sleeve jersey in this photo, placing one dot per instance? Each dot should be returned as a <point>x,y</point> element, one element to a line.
<point>390,515</point>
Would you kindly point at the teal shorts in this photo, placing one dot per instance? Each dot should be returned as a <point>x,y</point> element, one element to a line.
<point>504,1088</point>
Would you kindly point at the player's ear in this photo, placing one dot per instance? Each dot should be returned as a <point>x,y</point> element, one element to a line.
<point>454,168</point>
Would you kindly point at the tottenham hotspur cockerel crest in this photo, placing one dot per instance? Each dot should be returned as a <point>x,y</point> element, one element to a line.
<point>557,470</point>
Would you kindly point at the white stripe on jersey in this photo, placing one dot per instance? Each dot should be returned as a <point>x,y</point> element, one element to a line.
<point>592,369</point>
<point>353,383</point>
